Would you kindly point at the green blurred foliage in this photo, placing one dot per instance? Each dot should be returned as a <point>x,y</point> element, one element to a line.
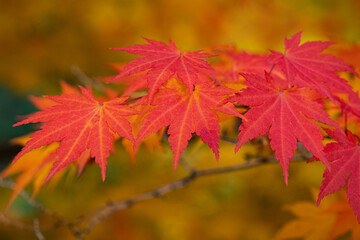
<point>41,40</point>
<point>11,107</point>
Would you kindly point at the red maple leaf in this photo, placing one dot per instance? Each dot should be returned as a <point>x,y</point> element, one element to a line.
<point>186,113</point>
<point>234,62</point>
<point>133,83</point>
<point>344,157</point>
<point>303,65</point>
<point>80,123</point>
<point>163,62</point>
<point>353,104</point>
<point>286,112</point>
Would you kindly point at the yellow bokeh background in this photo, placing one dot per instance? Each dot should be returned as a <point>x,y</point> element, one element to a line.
<point>40,40</point>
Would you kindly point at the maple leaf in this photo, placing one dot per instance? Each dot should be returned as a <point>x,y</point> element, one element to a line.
<point>285,111</point>
<point>344,157</point>
<point>351,54</point>
<point>353,104</point>
<point>163,62</point>
<point>328,222</point>
<point>35,166</point>
<point>303,65</point>
<point>42,103</point>
<point>133,83</point>
<point>153,141</point>
<point>234,62</point>
<point>32,167</point>
<point>80,123</point>
<point>345,219</point>
<point>311,223</point>
<point>186,113</point>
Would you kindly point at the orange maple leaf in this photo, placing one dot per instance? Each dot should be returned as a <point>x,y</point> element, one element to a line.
<point>35,166</point>
<point>328,222</point>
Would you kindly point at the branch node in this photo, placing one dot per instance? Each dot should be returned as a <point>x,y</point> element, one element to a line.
<point>129,202</point>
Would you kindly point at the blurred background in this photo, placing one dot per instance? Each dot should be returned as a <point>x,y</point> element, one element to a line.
<point>42,42</point>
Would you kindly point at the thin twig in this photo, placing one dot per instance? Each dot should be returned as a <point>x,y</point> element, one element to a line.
<point>11,185</point>
<point>303,151</point>
<point>271,69</point>
<point>103,212</point>
<point>37,230</point>
<point>81,76</point>
<point>86,80</point>
<point>14,223</point>
<point>186,165</point>
<point>11,222</point>
<point>229,140</point>
<point>84,224</point>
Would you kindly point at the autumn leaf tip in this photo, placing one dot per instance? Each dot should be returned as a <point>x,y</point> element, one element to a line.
<point>297,35</point>
<point>103,175</point>
<point>176,161</point>
<point>243,117</point>
<point>17,124</point>
<point>114,78</point>
<point>20,154</point>
<point>147,39</point>
<point>52,172</point>
<point>286,178</point>
<point>318,201</point>
<point>237,147</point>
<point>115,48</point>
<point>49,176</point>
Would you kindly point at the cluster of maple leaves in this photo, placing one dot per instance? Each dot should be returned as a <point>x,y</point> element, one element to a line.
<point>182,92</point>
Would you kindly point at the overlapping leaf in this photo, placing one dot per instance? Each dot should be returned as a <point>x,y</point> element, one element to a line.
<point>186,113</point>
<point>332,219</point>
<point>33,167</point>
<point>80,123</point>
<point>303,65</point>
<point>133,83</point>
<point>234,63</point>
<point>153,141</point>
<point>345,221</point>
<point>344,157</point>
<point>311,223</point>
<point>163,62</point>
<point>286,112</point>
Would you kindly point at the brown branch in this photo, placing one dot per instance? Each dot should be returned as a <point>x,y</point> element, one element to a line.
<point>84,224</point>
<point>103,212</point>
<point>85,80</point>
<point>37,230</point>
<point>11,185</point>
<point>14,223</point>
<point>186,165</point>
<point>303,151</point>
<point>228,140</point>
<point>81,76</point>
